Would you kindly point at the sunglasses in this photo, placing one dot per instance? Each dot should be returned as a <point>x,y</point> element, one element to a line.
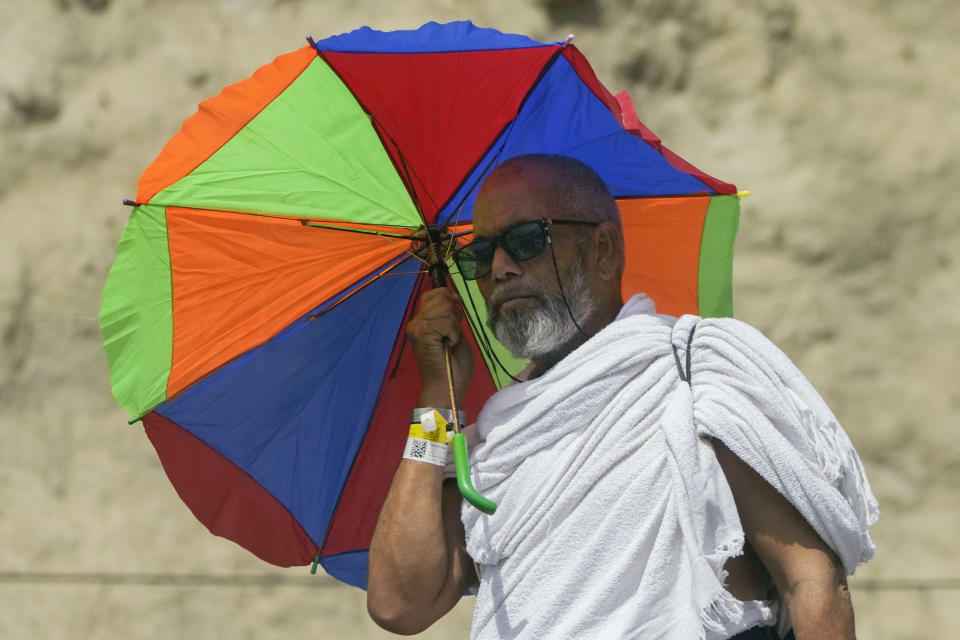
<point>522,241</point>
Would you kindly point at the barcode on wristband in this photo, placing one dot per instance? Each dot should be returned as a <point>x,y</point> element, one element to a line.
<point>434,453</point>
<point>418,449</point>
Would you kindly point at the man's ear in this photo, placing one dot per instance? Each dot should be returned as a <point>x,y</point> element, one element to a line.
<point>608,251</point>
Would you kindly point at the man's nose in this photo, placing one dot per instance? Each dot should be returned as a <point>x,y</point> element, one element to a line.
<point>503,266</point>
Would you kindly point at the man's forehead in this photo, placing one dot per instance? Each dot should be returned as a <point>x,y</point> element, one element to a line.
<point>506,200</point>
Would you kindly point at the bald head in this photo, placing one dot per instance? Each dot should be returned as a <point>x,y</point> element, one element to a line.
<point>569,187</point>
<point>563,188</point>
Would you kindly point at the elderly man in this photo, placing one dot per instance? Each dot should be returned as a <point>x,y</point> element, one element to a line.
<point>657,477</point>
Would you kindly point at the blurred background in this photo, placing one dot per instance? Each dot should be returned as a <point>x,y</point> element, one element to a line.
<point>842,119</point>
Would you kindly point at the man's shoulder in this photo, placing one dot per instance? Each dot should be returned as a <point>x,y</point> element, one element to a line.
<point>734,346</point>
<point>733,332</point>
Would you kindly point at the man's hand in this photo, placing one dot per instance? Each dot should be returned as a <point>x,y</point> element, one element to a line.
<point>437,322</point>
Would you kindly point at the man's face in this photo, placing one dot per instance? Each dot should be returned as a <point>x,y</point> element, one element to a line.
<point>524,303</point>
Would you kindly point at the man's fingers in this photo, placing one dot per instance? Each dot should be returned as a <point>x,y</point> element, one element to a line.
<point>439,311</point>
<point>439,301</point>
<point>438,329</point>
<point>437,319</point>
<point>439,292</point>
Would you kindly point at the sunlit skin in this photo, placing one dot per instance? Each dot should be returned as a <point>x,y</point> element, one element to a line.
<point>413,583</point>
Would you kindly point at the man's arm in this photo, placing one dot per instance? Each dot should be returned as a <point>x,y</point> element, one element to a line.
<point>807,573</point>
<point>419,566</point>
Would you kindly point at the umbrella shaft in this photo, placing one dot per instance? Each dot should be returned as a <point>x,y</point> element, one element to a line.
<point>453,396</point>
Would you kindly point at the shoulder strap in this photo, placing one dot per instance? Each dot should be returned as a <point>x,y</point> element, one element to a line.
<point>685,374</point>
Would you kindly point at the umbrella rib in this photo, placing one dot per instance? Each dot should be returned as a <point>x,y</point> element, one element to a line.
<point>504,133</point>
<point>385,236</point>
<point>407,171</point>
<point>453,242</point>
<point>397,245</point>
<point>381,131</point>
<point>407,314</point>
<point>317,225</point>
<point>341,297</point>
<point>508,129</point>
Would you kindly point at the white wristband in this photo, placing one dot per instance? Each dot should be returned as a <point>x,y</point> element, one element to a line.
<point>428,451</point>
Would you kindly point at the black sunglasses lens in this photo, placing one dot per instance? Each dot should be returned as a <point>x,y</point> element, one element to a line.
<point>474,259</point>
<point>524,241</point>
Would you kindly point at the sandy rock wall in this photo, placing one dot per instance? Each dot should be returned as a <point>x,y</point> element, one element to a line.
<point>841,118</point>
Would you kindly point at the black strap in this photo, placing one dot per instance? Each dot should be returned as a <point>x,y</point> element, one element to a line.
<point>685,373</point>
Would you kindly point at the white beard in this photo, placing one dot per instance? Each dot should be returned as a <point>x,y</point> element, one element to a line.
<point>548,327</point>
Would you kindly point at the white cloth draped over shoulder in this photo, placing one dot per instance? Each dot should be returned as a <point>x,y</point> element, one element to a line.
<point>614,518</point>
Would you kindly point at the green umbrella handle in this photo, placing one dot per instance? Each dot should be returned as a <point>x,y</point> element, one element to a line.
<point>467,490</point>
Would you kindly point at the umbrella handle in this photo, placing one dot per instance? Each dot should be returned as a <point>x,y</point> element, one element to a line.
<point>460,458</point>
<point>467,490</point>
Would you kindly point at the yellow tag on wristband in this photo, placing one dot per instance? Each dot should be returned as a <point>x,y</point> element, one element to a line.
<point>428,441</point>
<point>432,426</point>
<point>437,435</point>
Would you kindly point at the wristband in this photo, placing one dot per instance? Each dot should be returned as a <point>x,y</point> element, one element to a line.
<point>428,437</point>
<point>428,451</point>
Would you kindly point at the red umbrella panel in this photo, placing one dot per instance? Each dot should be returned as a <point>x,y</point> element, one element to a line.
<point>254,315</point>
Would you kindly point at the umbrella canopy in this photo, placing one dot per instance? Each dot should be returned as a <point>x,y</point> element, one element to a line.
<point>254,315</point>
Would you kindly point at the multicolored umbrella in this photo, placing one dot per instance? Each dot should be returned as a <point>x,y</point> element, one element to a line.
<point>253,318</point>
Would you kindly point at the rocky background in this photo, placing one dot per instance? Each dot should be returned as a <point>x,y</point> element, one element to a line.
<point>843,119</point>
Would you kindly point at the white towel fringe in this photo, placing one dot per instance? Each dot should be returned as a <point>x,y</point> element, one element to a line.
<point>721,611</point>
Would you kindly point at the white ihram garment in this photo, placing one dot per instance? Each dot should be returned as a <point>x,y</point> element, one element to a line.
<point>614,517</point>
